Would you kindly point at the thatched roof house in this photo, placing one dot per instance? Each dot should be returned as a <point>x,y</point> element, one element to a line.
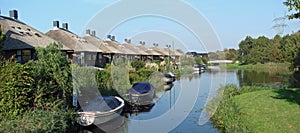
<point>134,48</point>
<point>70,39</point>
<point>21,39</point>
<point>106,48</point>
<point>111,42</point>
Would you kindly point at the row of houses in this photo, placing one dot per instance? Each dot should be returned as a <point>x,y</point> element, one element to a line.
<point>22,39</point>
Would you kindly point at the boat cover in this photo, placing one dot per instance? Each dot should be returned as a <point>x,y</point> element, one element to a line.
<point>141,88</point>
<point>102,104</point>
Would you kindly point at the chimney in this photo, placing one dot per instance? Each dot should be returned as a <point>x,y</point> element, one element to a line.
<point>129,40</point>
<point>93,33</point>
<point>113,38</point>
<point>56,24</point>
<point>65,26</point>
<point>108,36</point>
<point>88,31</point>
<point>126,40</point>
<point>141,42</point>
<point>13,14</point>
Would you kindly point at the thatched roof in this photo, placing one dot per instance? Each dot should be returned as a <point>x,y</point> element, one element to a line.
<point>173,52</point>
<point>120,47</point>
<point>159,50</point>
<point>21,36</point>
<point>134,48</point>
<point>72,40</point>
<point>106,48</point>
<point>150,51</point>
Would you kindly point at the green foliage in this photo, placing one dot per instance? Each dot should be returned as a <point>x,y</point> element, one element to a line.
<point>198,60</point>
<point>228,116</point>
<point>38,121</point>
<point>293,5</point>
<point>2,39</point>
<point>263,50</point>
<point>230,54</point>
<point>15,88</point>
<point>142,75</point>
<point>138,64</point>
<point>52,77</point>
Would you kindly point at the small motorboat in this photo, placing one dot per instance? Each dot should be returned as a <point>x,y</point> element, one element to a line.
<point>169,78</point>
<point>100,110</point>
<point>141,93</point>
<point>168,86</point>
<point>199,68</point>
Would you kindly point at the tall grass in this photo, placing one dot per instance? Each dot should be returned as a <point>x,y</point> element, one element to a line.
<point>38,121</point>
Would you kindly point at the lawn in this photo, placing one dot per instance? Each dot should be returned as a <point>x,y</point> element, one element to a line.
<point>270,110</point>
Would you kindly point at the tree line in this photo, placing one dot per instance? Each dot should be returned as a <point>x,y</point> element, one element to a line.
<point>263,50</point>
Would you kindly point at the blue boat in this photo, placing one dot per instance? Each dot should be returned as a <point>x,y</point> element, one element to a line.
<point>141,93</point>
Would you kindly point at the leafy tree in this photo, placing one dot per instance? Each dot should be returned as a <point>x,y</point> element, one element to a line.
<point>15,88</point>
<point>244,49</point>
<point>230,54</point>
<point>293,5</point>
<point>138,64</point>
<point>52,77</point>
<point>198,60</point>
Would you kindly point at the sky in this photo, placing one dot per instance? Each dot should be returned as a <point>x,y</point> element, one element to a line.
<point>216,24</point>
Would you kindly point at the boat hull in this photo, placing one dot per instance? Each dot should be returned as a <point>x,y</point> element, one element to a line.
<point>96,117</point>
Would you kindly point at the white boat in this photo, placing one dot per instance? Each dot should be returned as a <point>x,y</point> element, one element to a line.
<point>169,78</point>
<point>100,110</point>
<point>199,68</point>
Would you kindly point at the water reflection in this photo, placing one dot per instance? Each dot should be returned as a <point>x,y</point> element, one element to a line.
<point>254,78</point>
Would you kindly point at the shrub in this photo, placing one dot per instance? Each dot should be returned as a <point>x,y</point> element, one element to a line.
<point>15,88</point>
<point>52,77</point>
<point>38,121</point>
<point>138,64</point>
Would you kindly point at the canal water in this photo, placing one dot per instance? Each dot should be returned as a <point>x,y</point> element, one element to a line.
<point>182,108</point>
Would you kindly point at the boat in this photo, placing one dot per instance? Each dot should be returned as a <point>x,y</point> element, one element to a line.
<point>168,86</point>
<point>141,93</point>
<point>199,68</point>
<point>100,110</point>
<point>169,78</point>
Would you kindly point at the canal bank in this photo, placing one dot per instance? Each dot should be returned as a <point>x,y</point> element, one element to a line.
<point>262,103</point>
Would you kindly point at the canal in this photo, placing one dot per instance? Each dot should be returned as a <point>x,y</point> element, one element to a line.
<point>182,108</point>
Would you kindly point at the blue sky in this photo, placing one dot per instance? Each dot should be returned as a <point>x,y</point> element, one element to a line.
<point>232,20</point>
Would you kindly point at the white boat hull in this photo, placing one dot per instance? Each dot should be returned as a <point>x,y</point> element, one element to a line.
<point>96,118</point>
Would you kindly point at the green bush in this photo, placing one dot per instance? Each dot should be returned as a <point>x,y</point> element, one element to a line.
<point>52,77</point>
<point>138,64</point>
<point>15,88</point>
<point>38,121</point>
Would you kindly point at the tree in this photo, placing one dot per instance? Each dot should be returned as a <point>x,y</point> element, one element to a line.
<point>245,47</point>
<point>52,77</point>
<point>293,5</point>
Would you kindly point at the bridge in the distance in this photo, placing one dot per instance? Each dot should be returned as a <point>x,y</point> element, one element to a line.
<point>220,61</point>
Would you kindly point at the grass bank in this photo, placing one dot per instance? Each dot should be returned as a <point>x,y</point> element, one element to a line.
<point>257,109</point>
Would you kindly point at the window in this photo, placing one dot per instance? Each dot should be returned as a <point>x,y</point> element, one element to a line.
<point>100,56</point>
<point>26,55</point>
<point>19,56</point>
<point>23,56</point>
